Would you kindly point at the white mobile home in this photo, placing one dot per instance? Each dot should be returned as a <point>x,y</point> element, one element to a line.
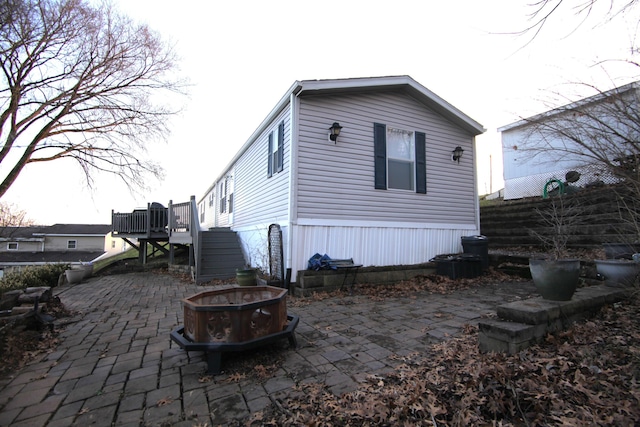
<point>388,190</point>
<point>586,136</point>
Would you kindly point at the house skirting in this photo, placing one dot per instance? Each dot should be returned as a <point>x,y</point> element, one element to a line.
<point>374,245</point>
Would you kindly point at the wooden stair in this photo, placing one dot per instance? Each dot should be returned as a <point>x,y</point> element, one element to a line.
<point>220,254</point>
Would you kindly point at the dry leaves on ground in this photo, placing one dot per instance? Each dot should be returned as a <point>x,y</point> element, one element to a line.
<point>587,375</point>
<point>431,283</point>
<point>21,343</point>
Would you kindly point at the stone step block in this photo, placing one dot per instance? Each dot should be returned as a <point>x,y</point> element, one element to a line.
<point>585,302</point>
<point>526,322</point>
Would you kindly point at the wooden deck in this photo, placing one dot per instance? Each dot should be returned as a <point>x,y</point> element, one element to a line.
<point>154,223</point>
<point>155,226</point>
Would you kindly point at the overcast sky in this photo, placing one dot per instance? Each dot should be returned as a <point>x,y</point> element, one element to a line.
<point>242,56</point>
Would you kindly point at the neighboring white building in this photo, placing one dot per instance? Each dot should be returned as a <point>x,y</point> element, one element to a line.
<point>534,154</point>
<point>59,243</point>
<point>386,192</point>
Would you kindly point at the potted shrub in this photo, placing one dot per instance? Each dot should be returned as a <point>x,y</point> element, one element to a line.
<point>621,267</point>
<point>556,277</point>
<point>246,276</point>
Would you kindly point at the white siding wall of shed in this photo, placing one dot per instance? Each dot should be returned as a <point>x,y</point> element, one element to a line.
<point>526,174</point>
<point>519,162</point>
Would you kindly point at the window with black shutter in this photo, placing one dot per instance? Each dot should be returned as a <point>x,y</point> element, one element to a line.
<point>399,158</point>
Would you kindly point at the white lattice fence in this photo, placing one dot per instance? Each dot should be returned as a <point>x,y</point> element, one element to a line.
<point>533,185</point>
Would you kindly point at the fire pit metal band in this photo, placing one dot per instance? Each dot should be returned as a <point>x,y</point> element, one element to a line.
<point>214,350</point>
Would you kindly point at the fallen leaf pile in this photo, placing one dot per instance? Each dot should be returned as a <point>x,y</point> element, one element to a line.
<point>19,345</point>
<point>585,376</point>
<point>431,283</point>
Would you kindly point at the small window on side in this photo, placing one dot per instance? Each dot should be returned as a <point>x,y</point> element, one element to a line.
<point>72,244</point>
<point>275,160</point>
<point>12,246</point>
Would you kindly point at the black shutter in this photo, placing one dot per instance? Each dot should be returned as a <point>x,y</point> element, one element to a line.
<point>380,155</point>
<point>421,163</point>
<point>269,156</point>
<point>280,147</point>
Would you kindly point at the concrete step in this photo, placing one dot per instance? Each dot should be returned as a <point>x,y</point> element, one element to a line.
<point>526,322</point>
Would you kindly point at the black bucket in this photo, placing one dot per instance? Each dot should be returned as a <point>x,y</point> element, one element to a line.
<point>477,245</point>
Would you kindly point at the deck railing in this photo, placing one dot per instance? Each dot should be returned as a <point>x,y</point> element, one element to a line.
<point>179,217</point>
<point>183,220</point>
<point>140,221</point>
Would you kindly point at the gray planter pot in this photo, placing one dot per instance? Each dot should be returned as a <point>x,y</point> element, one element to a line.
<point>618,272</point>
<point>620,250</point>
<point>74,275</point>
<point>555,280</point>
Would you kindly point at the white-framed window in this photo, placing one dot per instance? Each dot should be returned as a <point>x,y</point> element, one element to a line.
<point>201,209</point>
<point>401,171</point>
<point>72,244</point>
<point>399,159</point>
<point>113,244</point>
<point>275,161</point>
<point>211,197</point>
<point>12,246</point>
<point>223,196</point>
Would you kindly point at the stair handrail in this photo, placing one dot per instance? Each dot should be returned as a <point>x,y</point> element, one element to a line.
<point>195,232</point>
<point>183,217</point>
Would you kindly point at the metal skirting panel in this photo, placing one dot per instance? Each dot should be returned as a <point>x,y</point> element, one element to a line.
<point>376,246</point>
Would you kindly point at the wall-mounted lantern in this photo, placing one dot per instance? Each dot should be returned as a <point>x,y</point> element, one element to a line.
<point>334,131</point>
<point>456,154</point>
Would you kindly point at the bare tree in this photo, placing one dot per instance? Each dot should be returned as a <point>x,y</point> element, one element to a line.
<point>12,216</point>
<point>11,219</point>
<point>542,11</point>
<point>602,130</point>
<point>83,82</point>
<point>601,136</point>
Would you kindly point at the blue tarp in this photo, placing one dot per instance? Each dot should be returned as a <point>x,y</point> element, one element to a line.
<point>320,262</point>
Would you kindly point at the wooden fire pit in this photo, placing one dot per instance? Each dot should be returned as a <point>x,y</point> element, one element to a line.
<point>234,319</point>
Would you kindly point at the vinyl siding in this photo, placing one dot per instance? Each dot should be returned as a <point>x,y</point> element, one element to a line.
<point>22,246</point>
<point>83,243</point>
<point>257,198</point>
<point>336,181</point>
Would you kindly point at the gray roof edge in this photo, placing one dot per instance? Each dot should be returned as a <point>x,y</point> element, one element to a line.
<point>427,96</point>
<point>563,108</point>
<point>263,125</point>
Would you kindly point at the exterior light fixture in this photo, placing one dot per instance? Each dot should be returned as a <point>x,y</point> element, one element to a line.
<point>456,154</point>
<point>334,131</point>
